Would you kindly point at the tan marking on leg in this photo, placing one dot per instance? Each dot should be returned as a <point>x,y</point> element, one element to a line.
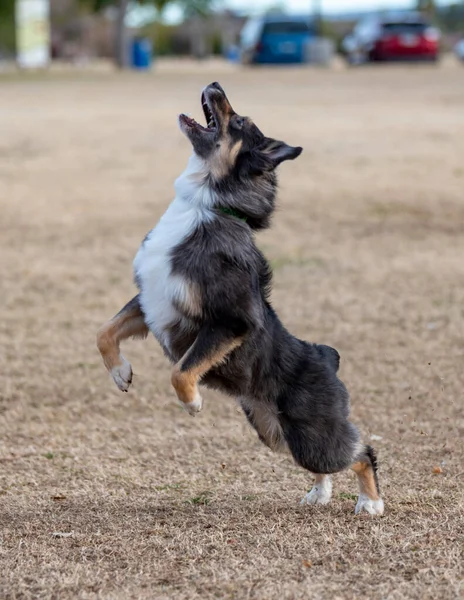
<point>128,323</point>
<point>185,385</point>
<point>366,479</point>
<point>186,382</point>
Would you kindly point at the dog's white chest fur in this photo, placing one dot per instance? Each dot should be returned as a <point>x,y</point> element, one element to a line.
<point>161,291</point>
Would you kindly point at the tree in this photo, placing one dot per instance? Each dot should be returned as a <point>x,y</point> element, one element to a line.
<point>427,7</point>
<point>191,8</point>
<point>7,25</point>
<point>276,8</point>
<point>452,17</point>
<point>317,16</point>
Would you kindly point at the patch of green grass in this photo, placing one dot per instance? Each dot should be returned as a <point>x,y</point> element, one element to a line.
<point>169,486</point>
<point>49,455</point>
<point>203,499</point>
<point>345,496</point>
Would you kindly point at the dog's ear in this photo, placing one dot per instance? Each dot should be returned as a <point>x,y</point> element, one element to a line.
<point>274,152</point>
<point>267,157</point>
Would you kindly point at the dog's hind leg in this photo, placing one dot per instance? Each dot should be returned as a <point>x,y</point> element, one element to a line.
<point>211,347</point>
<point>369,499</point>
<point>322,447</point>
<point>129,322</point>
<point>321,491</point>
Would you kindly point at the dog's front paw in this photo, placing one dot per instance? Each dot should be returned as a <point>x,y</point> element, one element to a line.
<point>320,493</point>
<point>195,405</point>
<point>122,374</point>
<point>372,507</point>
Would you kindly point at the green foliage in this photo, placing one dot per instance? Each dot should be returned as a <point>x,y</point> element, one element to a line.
<point>7,8</point>
<point>451,18</point>
<point>277,8</point>
<point>216,44</point>
<point>426,6</point>
<point>161,36</point>
<point>190,7</point>
<point>96,5</point>
<point>328,30</point>
<point>195,7</point>
<point>164,38</point>
<point>7,26</point>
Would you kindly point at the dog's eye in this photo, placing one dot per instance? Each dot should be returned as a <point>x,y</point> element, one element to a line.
<point>237,122</point>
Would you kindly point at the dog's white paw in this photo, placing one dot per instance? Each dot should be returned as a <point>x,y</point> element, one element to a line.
<point>321,493</point>
<point>195,406</point>
<point>372,507</point>
<point>122,375</point>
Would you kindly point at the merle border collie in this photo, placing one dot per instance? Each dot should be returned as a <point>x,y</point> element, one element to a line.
<point>204,290</point>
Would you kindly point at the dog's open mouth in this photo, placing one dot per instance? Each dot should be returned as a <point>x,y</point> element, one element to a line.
<point>209,116</point>
<point>211,124</point>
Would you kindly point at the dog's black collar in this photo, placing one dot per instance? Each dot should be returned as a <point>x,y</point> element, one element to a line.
<point>233,213</point>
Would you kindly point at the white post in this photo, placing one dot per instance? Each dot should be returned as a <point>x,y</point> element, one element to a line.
<point>33,33</point>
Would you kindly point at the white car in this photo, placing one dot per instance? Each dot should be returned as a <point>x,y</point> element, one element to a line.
<point>459,50</point>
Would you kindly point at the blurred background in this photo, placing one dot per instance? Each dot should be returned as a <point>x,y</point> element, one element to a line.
<point>132,34</point>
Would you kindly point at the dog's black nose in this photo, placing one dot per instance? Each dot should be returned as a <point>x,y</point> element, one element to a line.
<point>216,86</point>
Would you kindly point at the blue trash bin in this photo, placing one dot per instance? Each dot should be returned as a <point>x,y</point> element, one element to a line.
<point>233,54</point>
<point>141,53</point>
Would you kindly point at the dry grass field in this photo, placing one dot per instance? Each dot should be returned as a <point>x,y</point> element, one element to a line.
<point>125,496</point>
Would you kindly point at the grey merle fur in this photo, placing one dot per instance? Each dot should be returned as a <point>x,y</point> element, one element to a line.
<point>293,383</point>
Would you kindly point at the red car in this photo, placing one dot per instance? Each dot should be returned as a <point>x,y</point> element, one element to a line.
<point>406,36</point>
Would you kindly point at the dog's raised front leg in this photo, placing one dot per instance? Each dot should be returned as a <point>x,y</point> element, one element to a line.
<point>211,347</point>
<point>129,322</point>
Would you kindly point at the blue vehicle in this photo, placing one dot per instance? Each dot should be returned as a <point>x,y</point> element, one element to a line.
<point>275,39</point>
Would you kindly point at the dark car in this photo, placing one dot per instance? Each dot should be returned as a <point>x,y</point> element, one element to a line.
<point>395,37</point>
<point>275,39</point>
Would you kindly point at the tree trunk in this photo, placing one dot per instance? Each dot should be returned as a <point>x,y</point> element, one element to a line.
<point>121,35</point>
<point>317,16</point>
<point>198,43</point>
